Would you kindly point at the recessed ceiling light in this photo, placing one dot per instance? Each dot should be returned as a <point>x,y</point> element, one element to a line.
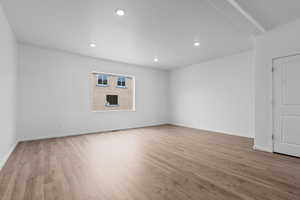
<point>120,12</point>
<point>93,45</point>
<point>196,44</point>
<point>155,59</point>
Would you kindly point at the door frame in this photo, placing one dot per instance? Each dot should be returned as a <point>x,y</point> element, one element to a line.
<point>272,94</point>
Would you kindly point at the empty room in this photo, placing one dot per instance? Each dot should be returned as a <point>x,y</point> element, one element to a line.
<point>150,100</point>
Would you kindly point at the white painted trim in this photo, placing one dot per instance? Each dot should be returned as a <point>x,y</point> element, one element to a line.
<point>104,111</point>
<point>247,15</point>
<point>113,74</point>
<point>92,132</point>
<point>4,160</point>
<point>261,148</point>
<point>214,131</point>
<point>272,94</point>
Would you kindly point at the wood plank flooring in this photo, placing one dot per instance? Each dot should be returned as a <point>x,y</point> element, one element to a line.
<point>155,163</point>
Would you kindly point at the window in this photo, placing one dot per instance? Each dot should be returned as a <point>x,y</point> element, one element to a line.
<point>121,82</point>
<point>102,80</point>
<point>112,100</point>
<point>112,92</point>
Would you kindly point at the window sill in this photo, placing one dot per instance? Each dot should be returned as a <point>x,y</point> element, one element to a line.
<point>102,85</point>
<point>107,105</point>
<point>117,110</point>
<point>123,87</point>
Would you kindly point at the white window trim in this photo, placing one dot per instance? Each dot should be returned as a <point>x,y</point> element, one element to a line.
<point>121,110</point>
<point>102,85</point>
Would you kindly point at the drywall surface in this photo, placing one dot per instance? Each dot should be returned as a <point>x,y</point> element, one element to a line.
<point>217,95</point>
<point>283,41</point>
<point>55,95</point>
<point>8,75</point>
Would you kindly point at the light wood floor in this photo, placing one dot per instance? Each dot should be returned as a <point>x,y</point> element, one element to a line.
<point>156,163</point>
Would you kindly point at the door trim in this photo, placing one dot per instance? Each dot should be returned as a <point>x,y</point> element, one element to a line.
<point>272,93</point>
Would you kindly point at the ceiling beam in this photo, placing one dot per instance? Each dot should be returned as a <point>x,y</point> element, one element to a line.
<point>247,15</point>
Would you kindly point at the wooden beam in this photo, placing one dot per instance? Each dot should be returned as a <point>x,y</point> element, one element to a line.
<point>247,15</point>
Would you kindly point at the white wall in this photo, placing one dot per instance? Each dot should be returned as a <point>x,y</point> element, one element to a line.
<point>55,95</point>
<point>217,95</point>
<point>8,74</point>
<point>282,41</point>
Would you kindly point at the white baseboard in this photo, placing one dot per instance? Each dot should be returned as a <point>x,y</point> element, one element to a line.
<point>89,132</point>
<point>261,148</point>
<point>210,130</point>
<point>3,161</point>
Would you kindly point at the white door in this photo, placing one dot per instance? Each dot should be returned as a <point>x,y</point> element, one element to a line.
<point>286,105</point>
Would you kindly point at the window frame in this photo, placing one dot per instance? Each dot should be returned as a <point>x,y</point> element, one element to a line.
<point>122,80</point>
<point>103,79</point>
<point>133,85</point>
<point>112,105</point>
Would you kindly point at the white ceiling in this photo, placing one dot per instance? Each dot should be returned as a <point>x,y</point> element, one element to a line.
<point>272,13</point>
<point>162,28</point>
